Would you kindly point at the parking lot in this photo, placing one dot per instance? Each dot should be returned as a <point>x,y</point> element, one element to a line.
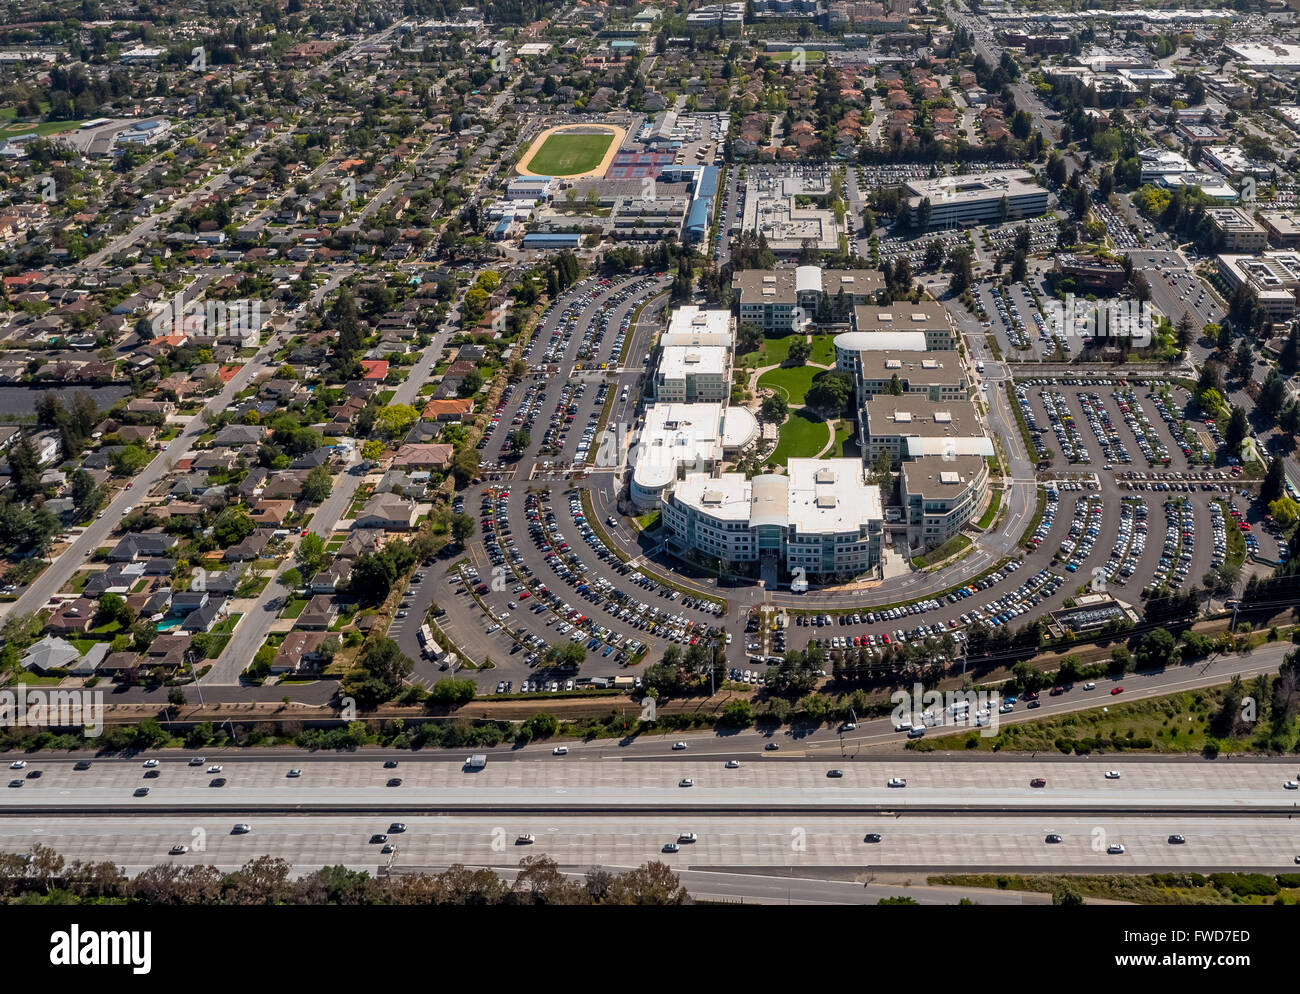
<point>584,334</point>
<point>1021,329</point>
<point>540,577</point>
<point>1105,423</point>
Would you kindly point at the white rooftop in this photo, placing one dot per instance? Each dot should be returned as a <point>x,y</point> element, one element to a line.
<point>687,324</point>
<point>874,341</point>
<point>830,496</point>
<point>680,361</point>
<point>676,435</point>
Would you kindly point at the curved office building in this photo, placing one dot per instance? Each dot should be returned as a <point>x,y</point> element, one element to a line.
<point>821,517</point>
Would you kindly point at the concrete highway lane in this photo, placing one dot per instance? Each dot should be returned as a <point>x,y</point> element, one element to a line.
<point>569,784</point>
<point>775,848</point>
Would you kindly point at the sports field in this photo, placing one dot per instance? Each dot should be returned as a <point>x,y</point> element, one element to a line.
<point>571,153</point>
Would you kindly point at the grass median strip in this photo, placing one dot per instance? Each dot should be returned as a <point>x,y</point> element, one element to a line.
<point>1040,508</point>
<point>995,501</point>
<point>954,545</point>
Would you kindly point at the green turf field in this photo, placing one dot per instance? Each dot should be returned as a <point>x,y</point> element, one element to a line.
<point>801,437</point>
<point>568,154</point>
<point>43,129</point>
<point>791,382</point>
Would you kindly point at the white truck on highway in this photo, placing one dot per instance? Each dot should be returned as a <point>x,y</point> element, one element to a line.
<point>476,762</point>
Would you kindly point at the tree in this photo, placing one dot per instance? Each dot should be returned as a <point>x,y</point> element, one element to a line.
<point>130,459</point>
<point>113,608</point>
<point>1285,511</point>
<point>959,262</point>
<point>396,419</point>
<point>1289,360</point>
<point>830,393</point>
<point>1274,482</point>
<point>1157,650</point>
<point>86,494</point>
<point>800,350</point>
<point>373,450</point>
<point>464,464</point>
<point>651,884</point>
<point>1271,395</point>
<point>1184,332</point>
<point>348,342</point>
<point>462,526</point>
<point>1222,336</point>
<point>318,485</point>
<point>520,440</point>
<point>1244,360</point>
<point>232,526</point>
<point>1289,421</point>
<point>1237,428</point>
<point>1066,896</point>
<point>381,670</point>
<point>775,409</point>
<point>309,554</point>
<point>923,213</point>
<point>737,714</point>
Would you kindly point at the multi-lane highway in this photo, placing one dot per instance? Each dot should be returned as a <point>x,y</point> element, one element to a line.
<point>765,846</point>
<point>771,818</point>
<point>683,783</point>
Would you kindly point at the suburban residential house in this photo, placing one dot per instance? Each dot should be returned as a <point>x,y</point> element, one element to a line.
<point>204,618</point>
<point>141,545</point>
<point>319,613</point>
<point>404,484</point>
<point>422,456</point>
<point>250,548</point>
<point>72,617</point>
<point>185,601</point>
<point>333,578</point>
<point>50,653</point>
<point>299,652</point>
<point>387,511</point>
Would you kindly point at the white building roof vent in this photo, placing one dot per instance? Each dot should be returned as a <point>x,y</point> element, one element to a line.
<point>902,417</point>
<point>949,478</point>
<point>943,417</point>
<point>893,363</point>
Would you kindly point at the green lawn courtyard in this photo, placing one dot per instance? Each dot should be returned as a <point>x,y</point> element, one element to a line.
<point>790,382</point>
<point>773,352</point>
<point>823,350</point>
<point>800,437</point>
